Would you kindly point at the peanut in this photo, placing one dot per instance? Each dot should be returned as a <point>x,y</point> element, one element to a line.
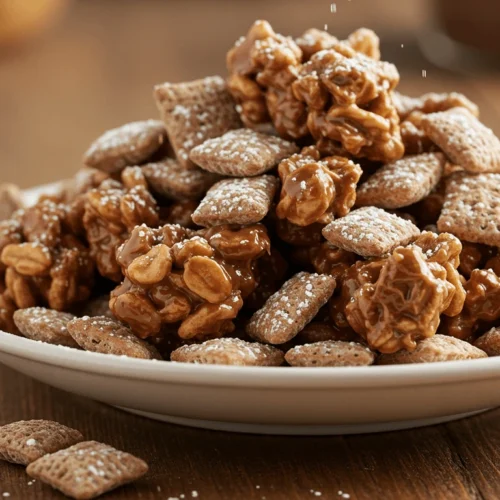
<point>207,278</point>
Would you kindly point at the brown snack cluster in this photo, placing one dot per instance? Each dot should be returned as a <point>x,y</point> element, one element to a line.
<point>87,470</point>
<point>314,189</point>
<point>303,203</point>
<point>44,261</point>
<point>349,101</point>
<point>489,342</point>
<point>399,300</point>
<point>111,212</point>
<point>25,441</point>
<point>228,351</point>
<point>197,282</point>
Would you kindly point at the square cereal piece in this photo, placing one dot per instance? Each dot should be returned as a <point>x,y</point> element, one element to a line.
<point>109,336</point>
<point>194,112</point>
<point>229,351</point>
<point>128,145</point>
<point>242,153</point>
<point>87,470</point>
<point>471,209</point>
<point>237,201</point>
<point>432,350</point>
<point>289,310</point>
<point>403,182</point>
<point>330,353</point>
<point>464,139</point>
<point>370,232</point>
<point>25,441</point>
<point>169,179</point>
<point>45,325</point>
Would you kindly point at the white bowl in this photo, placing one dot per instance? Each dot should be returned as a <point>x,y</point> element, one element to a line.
<point>273,400</point>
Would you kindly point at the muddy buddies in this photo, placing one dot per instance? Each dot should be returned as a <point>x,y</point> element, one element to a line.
<point>297,211</point>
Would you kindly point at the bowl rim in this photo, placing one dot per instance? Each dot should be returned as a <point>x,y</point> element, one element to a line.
<point>249,376</point>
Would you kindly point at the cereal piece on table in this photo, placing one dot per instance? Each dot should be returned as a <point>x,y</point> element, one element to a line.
<point>237,201</point>
<point>229,351</point>
<point>489,342</point>
<point>45,325</point>
<point>370,232</point>
<point>242,153</point>
<point>169,179</point>
<point>87,470</point>
<point>291,308</point>
<point>432,350</point>
<point>471,208</point>
<point>25,441</point>
<point>109,336</point>
<point>194,112</point>
<point>403,182</point>
<point>432,103</point>
<point>130,144</point>
<point>464,139</point>
<point>330,353</point>
<point>11,199</point>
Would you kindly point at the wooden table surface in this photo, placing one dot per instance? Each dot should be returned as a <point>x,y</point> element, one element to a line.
<point>96,71</point>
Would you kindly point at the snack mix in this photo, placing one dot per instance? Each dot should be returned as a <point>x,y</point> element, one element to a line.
<point>300,211</point>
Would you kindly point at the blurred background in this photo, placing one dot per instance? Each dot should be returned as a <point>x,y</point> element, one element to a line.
<point>70,69</point>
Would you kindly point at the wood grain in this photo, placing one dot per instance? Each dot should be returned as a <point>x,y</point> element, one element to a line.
<point>455,461</point>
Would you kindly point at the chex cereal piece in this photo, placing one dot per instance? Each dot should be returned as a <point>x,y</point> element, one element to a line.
<point>464,139</point>
<point>286,312</point>
<point>130,144</point>
<point>194,112</point>
<point>109,336</point>
<point>87,470</point>
<point>170,179</point>
<point>489,342</point>
<point>229,351</point>
<point>471,208</point>
<point>370,232</point>
<point>433,349</point>
<point>45,325</point>
<point>11,199</point>
<point>237,201</point>
<point>25,441</point>
<point>242,153</point>
<point>330,353</point>
<point>403,182</point>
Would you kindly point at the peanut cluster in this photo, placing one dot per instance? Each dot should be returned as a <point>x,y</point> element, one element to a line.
<point>197,281</point>
<point>43,261</point>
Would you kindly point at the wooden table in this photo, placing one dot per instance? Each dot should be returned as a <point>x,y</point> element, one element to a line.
<point>96,71</point>
<point>460,460</point>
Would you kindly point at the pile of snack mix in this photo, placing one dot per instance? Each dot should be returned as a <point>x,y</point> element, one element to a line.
<point>300,210</point>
